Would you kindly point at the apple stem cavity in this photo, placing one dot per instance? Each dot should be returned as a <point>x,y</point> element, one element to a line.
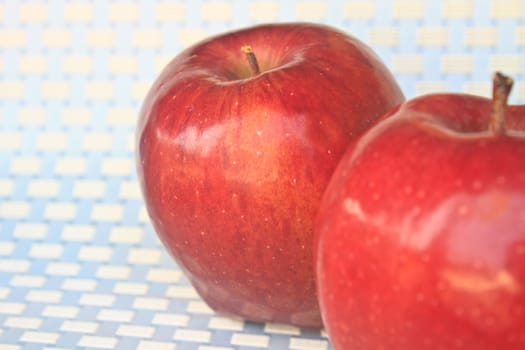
<point>252,59</point>
<point>502,85</point>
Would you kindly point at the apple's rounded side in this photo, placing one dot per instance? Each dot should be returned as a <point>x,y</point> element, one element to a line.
<point>233,167</point>
<point>421,233</point>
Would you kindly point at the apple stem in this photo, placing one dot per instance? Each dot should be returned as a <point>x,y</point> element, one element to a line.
<point>252,59</point>
<point>502,85</point>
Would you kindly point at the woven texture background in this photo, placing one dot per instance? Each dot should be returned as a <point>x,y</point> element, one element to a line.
<point>80,266</point>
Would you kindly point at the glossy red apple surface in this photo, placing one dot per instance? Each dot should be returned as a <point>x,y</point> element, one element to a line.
<point>420,239</point>
<point>236,142</point>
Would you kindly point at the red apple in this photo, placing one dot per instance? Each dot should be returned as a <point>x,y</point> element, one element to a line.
<point>236,142</point>
<point>420,238</point>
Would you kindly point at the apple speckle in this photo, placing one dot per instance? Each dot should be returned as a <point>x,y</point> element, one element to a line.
<point>477,264</point>
<point>475,312</point>
<point>476,185</point>
<point>489,321</point>
<point>462,210</point>
<point>520,249</point>
<point>458,343</point>
<point>259,132</point>
<point>500,180</point>
<point>459,311</point>
<point>376,196</point>
<point>518,310</point>
<point>427,342</point>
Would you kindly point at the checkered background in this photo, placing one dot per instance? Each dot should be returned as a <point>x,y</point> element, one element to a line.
<point>80,266</point>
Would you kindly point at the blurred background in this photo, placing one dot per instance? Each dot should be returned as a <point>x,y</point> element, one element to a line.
<point>80,266</point>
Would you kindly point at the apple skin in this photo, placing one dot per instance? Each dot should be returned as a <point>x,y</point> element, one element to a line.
<point>233,164</point>
<point>420,237</point>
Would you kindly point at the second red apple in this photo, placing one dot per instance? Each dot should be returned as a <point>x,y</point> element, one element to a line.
<point>421,232</point>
